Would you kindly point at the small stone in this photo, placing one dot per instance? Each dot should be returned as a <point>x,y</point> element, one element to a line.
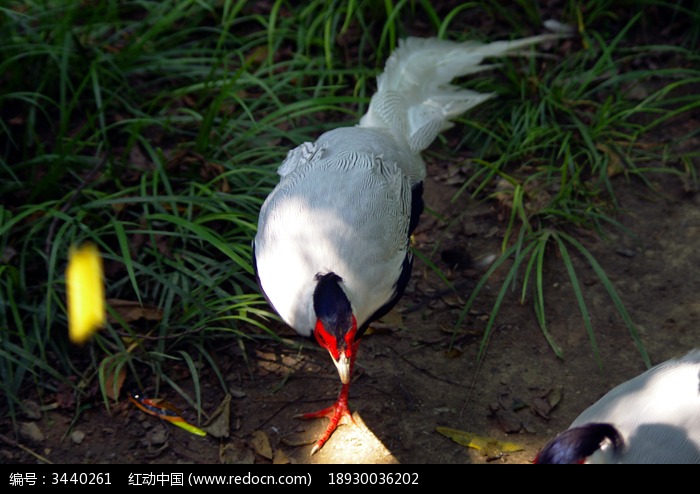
<point>31,432</point>
<point>237,393</point>
<point>77,437</point>
<point>626,252</point>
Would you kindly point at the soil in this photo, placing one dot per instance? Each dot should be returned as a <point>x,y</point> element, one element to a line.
<point>415,372</point>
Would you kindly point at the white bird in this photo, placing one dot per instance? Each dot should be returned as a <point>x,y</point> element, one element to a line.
<point>652,418</point>
<point>332,249</point>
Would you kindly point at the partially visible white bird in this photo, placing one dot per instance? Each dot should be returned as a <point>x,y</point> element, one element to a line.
<point>332,248</point>
<point>652,418</point>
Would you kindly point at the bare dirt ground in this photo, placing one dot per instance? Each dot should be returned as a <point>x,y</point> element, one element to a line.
<point>409,379</point>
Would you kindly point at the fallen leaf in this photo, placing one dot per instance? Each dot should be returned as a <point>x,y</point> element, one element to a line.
<point>615,165</point>
<point>541,407</point>
<point>114,380</point>
<point>555,396</point>
<point>65,394</point>
<point>272,363</point>
<point>261,444</point>
<point>386,324</point>
<point>130,310</point>
<point>280,458</point>
<point>545,403</point>
<point>236,453</point>
<point>218,424</point>
<point>480,443</point>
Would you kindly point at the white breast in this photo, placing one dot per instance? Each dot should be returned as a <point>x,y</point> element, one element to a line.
<point>346,212</point>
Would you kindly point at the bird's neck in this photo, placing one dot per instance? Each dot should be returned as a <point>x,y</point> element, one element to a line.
<point>332,306</point>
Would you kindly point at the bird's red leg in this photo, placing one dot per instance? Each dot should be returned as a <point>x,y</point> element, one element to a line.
<point>336,412</point>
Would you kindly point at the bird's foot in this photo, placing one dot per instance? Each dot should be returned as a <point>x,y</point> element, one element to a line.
<point>338,413</point>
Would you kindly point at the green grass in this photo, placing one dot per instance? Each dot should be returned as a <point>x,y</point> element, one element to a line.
<point>154,129</point>
<point>577,126</point>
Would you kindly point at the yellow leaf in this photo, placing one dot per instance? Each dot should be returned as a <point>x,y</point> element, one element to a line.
<point>85,292</point>
<point>478,442</point>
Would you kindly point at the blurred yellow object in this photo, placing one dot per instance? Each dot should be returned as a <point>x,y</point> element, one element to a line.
<point>85,289</point>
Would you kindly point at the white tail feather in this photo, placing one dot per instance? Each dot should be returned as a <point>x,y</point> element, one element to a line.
<point>414,98</point>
